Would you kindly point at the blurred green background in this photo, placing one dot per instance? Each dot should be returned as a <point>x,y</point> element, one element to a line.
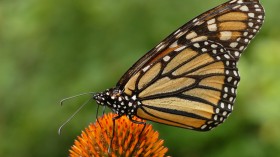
<point>51,49</point>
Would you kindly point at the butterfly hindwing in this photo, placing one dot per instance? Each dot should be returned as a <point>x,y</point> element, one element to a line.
<point>193,87</point>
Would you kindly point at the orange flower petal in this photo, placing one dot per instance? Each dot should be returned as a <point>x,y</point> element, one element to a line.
<point>127,141</point>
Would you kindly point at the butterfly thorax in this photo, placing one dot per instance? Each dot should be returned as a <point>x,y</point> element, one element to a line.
<point>118,101</point>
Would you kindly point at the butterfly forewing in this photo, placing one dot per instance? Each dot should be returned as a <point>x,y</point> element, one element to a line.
<point>232,24</point>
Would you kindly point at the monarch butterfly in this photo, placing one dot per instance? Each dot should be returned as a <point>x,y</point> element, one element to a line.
<point>189,79</point>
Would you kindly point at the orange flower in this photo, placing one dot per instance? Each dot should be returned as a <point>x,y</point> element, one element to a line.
<point>128,140</point>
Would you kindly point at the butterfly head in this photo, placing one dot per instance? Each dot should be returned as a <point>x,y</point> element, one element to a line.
<point>114,99</point>
<point>107,97</point>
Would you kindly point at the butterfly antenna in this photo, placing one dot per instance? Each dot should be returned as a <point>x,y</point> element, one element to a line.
<point>65,99</point>
<point>60,128</point>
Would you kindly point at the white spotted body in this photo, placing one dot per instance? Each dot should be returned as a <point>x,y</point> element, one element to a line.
<point>118,101</point>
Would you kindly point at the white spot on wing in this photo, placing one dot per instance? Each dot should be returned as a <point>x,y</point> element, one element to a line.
<point>226,56</point>
<point>200,38</point>
<point>198,23</point>
<point>244,8</point>
<point>251,15</point>
<point>251,24</point>
<point>214,45</point>
<point>209,22</point>
<point>196,45</point>
<point>227,63</point>
<point>229,79</point>
<point>161,47</point>
<point>236,7</point>
<point>226,89</point>
<point>180,48</point>
<point>233,45</point>
<point>175,44</point>
<point>222,105</point>
<point>134,97</point>
<point>224,113</point>
<point>240,2</point>
<point>191,35</point>
<point>166,58</point>
<point>225,35</point>
<point>146,68</point>
<point>225,95</point>
<point>212,27</point>
<point>180,34</point>
<point>177,31</point>
<point>204,50</point>
<point>236,53</point>
<point>203,126</point>
<point>217,110</point>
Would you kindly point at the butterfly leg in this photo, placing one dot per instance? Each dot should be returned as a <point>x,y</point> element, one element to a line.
<point>113,134</point>
<point>103,112</point>
<point>96,116</point>
<point>138,122</point>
